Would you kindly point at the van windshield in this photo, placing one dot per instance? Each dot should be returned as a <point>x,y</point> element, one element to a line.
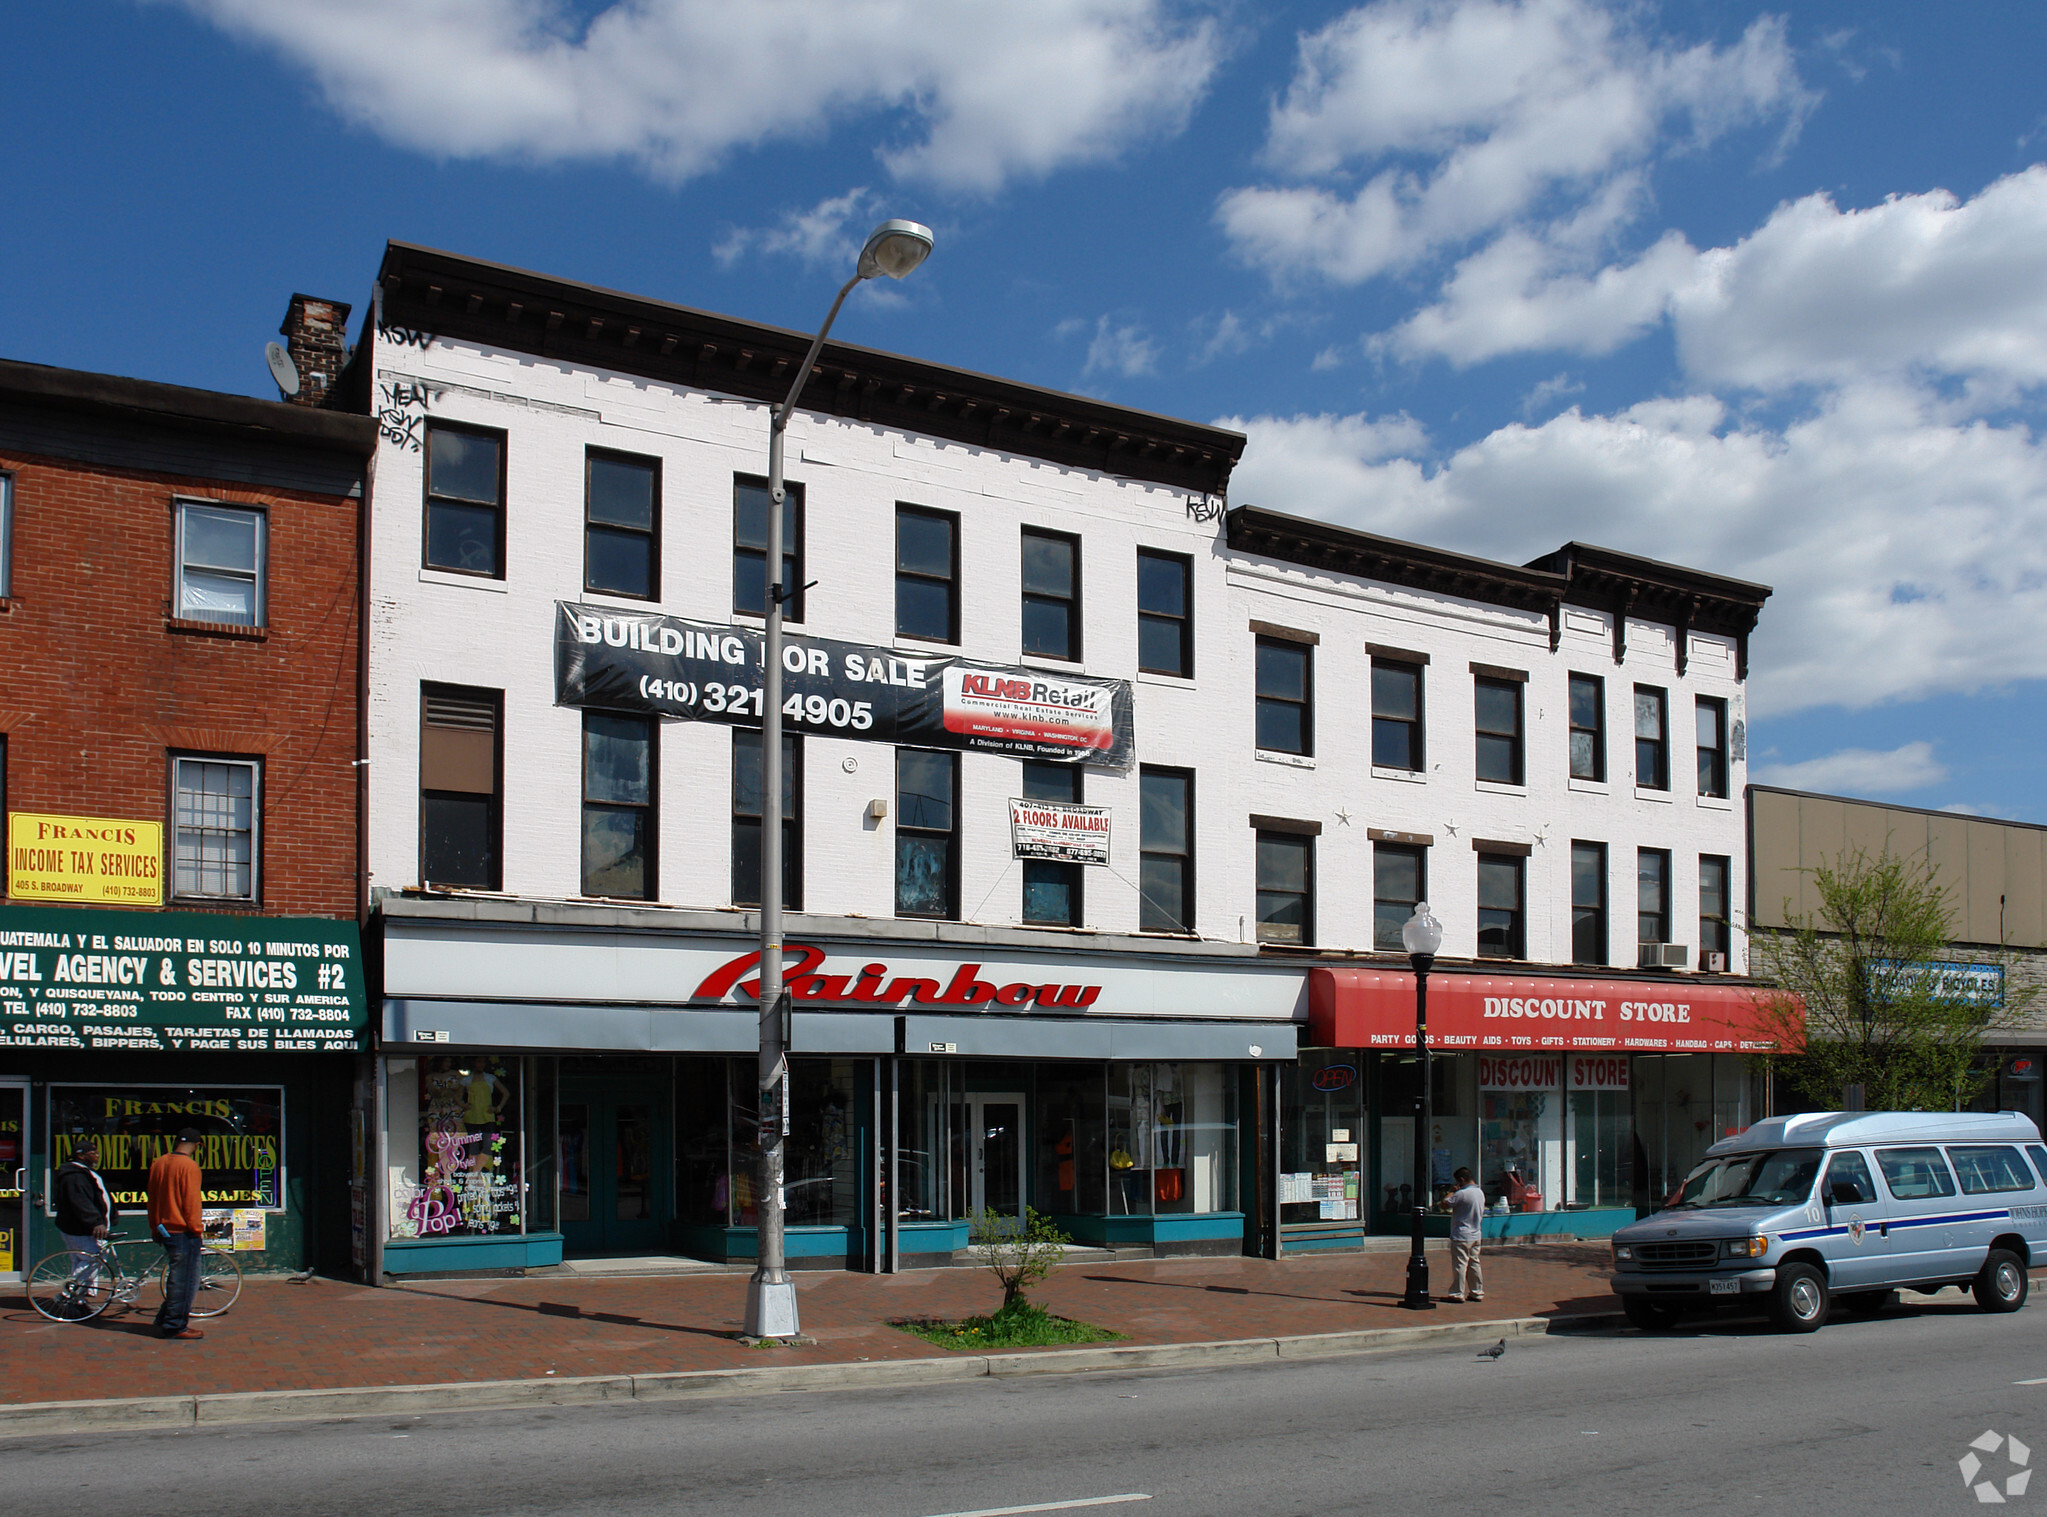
<point>1779,1177</point>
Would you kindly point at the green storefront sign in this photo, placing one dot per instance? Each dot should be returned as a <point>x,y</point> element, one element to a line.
<point>171,982</point>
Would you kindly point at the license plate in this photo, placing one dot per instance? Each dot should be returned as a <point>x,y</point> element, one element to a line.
<point>1723,1287</point>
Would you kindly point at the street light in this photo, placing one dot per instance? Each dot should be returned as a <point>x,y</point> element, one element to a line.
<point>893,249</point>
<point>1421,935</point>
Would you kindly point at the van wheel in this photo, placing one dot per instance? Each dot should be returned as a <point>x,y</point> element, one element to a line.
<point>1870,1303</point>
<point>2001,1284</point>
<point>1647,1315</point>
<point>1798,1302</point>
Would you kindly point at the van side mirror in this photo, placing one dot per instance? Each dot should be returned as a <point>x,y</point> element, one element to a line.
<point>1845,1193</point>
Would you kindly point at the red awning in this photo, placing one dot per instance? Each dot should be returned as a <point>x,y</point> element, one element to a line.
<point>1374,1008</point>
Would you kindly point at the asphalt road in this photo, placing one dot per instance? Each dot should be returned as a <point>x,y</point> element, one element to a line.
<point>1865,1416</point>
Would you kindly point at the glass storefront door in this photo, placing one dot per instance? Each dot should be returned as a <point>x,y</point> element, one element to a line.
<point>988,1152</point>
<point>14,1185</point>
<point>612,1142</point>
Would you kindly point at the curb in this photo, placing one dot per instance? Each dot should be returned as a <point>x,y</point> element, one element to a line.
<point>156,1413</point>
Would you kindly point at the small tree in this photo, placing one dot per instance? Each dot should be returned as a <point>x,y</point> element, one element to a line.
<point>1879,1007</point>
<point>1020,1250</point>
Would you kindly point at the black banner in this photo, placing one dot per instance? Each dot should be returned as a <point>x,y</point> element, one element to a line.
<point>702,672</point>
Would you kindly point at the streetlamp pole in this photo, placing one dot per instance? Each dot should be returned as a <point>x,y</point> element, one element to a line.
<point>1421,935</point>
<point>893,248</point>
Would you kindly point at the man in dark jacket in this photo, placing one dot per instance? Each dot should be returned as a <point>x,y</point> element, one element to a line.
<point>84,1212</point>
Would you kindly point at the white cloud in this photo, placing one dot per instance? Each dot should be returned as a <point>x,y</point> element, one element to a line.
<point>1120,349</point>
<point>1548,392</point>
<point>1315,465</point>
<point>1859,771</point>
<point>830,233</point>
<point>993,91</point>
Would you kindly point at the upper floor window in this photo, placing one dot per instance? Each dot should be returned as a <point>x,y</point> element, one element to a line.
<point>1715,920</point>
<point>1399,883</point>
<point>1712,720</point>
<point>1052,890</point>
<point>1588,727</point>
<point>927,833</point>
<point>1286,887</point>
<point>217,814</point>
<point>220,563</point>
<point>1498,719</point>
<point>460,764</point>
<point>1396,715</point>
<point>619,829</point>
<point>1165,613</point>
<point>1285,717</point>
<point>622,525</point>
<point>750,504</point>
<point>1652,739</point>
<point>1588,903</point>
<point>6,535</point>
<point>1502,915</point>
<point>927,575</point>
<point>1165,799</point>
<point>1652,895</point>
<point>747,781</point>
<point>465,501</point>
<point>1051,594</point>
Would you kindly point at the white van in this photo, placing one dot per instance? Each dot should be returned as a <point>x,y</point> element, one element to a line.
<point>1802,1211</point>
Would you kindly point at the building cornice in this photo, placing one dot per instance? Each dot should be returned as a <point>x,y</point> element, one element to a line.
<point>117,398</point>
<point>1344,550</point>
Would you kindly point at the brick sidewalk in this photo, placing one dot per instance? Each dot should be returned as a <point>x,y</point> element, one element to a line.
<point>285,1336</point>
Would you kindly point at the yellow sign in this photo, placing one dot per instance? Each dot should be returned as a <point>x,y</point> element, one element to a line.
<point>84,859</point>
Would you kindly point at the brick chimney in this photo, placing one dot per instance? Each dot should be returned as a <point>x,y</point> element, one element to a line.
<point>315,333</point>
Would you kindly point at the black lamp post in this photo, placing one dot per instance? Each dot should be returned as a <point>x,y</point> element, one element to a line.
<point>1421,935</point>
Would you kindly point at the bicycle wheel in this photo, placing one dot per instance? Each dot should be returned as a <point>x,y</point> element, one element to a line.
<point>220,1282</point>
<point>54,1289</point>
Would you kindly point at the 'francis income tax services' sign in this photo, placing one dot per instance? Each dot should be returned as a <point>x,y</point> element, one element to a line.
<point>84,860</point>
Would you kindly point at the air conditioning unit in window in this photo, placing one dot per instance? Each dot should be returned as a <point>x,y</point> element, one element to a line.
<point>1666,956</point>
<point>1712,962</point>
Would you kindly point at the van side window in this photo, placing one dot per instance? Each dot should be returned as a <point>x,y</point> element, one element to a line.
<point>1915,1174</point>
<point>2039,1160</point>
<point>1983,1170</point>
<point>1848,1169</point>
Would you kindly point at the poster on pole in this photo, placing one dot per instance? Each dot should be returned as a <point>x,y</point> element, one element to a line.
<point>1054,830</point>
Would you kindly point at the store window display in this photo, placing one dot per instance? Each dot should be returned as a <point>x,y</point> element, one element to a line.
<point>1520,1131</point>
<point>457,1172</point>
<point>1322,1138</point>
<point>821,1166</point>
<point>1172,1139</point>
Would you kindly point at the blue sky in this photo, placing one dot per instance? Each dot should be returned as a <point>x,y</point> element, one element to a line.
<point>1759,290</point>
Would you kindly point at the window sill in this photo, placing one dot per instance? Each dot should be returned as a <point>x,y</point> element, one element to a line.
<point>1494,787</point>
<point>1591,787</point>
<point>464,581</point>
<point>755,617</point>
<point>1053,661</point>
<point>214,902</point>
<point>932,647</point>
<point>1405,776</point>
<point>1173,681</point>
<point>1716,802</point>
<point>1289,760</point>
<point>1643,793</point>
<point>193,627</point>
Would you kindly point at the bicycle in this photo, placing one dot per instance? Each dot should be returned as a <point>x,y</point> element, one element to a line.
<point>77,1285</point>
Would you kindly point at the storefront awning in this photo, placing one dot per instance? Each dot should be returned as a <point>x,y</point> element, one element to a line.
<point>1374,1008</point>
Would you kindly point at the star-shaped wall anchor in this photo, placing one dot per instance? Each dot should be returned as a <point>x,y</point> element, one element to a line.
<point>1451,828</point>
<point>1342,817</point>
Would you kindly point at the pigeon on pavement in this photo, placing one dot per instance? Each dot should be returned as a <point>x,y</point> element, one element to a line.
<point>1495,1351</point>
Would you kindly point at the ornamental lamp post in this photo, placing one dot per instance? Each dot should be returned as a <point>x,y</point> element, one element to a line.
<point>893,249</point>
<point>1421,935</point>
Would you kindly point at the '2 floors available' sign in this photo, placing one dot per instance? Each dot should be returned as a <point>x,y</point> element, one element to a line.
<point>699,671</point>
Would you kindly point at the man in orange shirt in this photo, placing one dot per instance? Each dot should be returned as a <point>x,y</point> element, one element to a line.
<point>175,1221</point>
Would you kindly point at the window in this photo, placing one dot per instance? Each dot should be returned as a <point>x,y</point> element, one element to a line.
<point>622,525</point>
<point>1501,919</point>
<point>1165,799</point>
<point>459,763</point>
<point>618,806</point>
<point>1915,1174</point>
<point>1712,746</point>
<point>927,575</point>
<point>1285,723</point>
<point>1588,727</point>
<point>1051,890</point>
<point>218,816</point>
<point>6,535</point>
<point>1165,613</point>
<point>220,563</point>
<point>746,818</point>
<point>927,838</point>
<point>1588,903</point>
<point>1715,935</point>
<point>750,548</point>
<point>1843,1171</point>
<point>1652,740</point>
<point>1396,715</point>
<point>1051,594</point>
<point>1652,895</point>
<point>1984,1171</point>
<point>1286,888</point>
<point>1399,884</point>
<point>1498,719</point>
<point>465,501</point>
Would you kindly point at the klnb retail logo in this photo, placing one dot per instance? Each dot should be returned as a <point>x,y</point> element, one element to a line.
<point>2017,1457</point>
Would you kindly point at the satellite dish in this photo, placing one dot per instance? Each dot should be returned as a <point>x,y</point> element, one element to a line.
<point>282,369</point>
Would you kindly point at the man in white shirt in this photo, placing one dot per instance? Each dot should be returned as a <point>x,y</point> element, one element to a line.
<point>1467,1227</point>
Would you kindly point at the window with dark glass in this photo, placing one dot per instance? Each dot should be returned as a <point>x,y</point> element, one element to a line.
<point>1285,677</point>
<point>1052,890</point>
<point>1502,919</point>
<point>1165,613</point>
<point>927,575</point>
<point>216,846</point>
<point>1712,719</point>
<point>460,761</point>
<point>1286,888</point>
<point>1588,727</point>
<point>618,805</point>
<point>1716,933</point>
<point>1396,715</point>
<point>1652,739</point>
<point>220,563</point>
<point>1051,594</point>
<point>1588,903</point>
<point>750,547</point>
<point>465,501</point>
<point>1165,850</point>
<point>746,818</point>
<point>1497,706</point>
<point>927,835</point>
<point>1652,895</point>
<point>622,525</point>
<point>1399,884</point>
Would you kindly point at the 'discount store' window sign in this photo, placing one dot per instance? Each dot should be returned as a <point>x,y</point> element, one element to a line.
<point>84,859</point>
<point>174,981</point>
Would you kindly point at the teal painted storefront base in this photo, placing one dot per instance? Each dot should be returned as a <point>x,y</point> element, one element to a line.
<point>931,1237</point>
<point>727,1245</point>
<point>1176,1228</point>
<point>1308,1243</point>
<point>440,1256</point>
<point>1593,1222</point>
